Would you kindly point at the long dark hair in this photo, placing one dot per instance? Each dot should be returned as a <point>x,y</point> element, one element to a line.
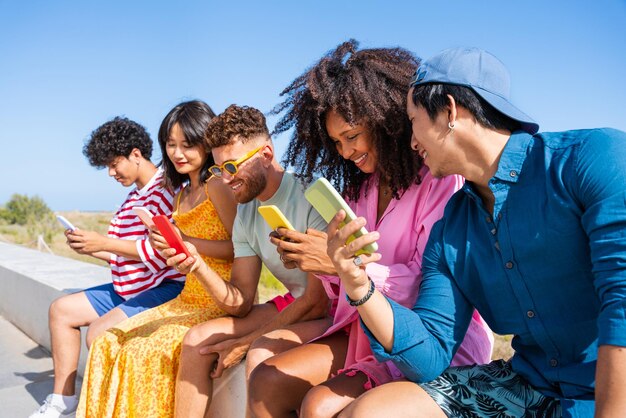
<point>367,87</point>
<point>193,117</point>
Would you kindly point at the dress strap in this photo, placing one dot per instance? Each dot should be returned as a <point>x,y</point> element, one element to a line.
<point>178,199</point>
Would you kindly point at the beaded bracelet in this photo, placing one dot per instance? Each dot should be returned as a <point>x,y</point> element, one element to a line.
<point>365,298</point>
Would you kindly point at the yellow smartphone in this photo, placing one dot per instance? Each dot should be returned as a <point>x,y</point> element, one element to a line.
<point>274,217</point>
<point>327,201</point>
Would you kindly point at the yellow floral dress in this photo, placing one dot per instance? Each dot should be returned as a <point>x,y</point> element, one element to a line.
<point>131,369</point>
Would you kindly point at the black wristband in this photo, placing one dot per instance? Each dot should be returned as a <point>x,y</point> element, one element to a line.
<point>365,298</point>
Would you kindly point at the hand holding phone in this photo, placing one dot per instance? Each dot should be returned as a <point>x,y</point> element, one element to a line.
<point>166,229</point>
<point>66,224</point>
<point>145,216</point>
<point>327,201</point>
<point>274,217</point>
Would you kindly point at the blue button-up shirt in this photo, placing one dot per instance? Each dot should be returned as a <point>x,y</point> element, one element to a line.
<point>549,266</point>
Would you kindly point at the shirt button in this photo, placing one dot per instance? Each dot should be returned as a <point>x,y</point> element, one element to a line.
<point>554,362</point>
<point>497,245</point>
<point>509,265</point>
<point>500,215</point>
<point>493,231</point>
<point>530,314</point>
<point>488,218</point>
<point>513,173</point>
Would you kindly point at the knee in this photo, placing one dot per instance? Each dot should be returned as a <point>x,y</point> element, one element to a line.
<point>192,341</point>
<point>317,403</point>
<point>354,410</point>
<point>263,385</point>
<point>260,350</point>
<point>58,309</point>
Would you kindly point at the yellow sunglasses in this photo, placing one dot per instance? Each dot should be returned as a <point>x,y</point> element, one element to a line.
<point>231,167</point>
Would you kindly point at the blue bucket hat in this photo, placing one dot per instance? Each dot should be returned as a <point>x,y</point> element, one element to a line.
<point>478,70</point>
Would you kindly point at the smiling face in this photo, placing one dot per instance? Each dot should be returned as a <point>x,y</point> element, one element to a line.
<point>353,142</point>
<point>251,178</point>
<point>187,158</point>
<point>430,138</point>
<point>124,170</point>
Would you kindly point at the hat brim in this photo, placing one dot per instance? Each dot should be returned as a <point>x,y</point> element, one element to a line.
<point>505,107</point>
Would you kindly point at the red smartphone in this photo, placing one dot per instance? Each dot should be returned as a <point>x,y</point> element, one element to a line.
<point>169,233</point>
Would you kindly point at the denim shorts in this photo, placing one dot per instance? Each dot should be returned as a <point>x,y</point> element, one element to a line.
<point>489,390</point>
<point>103,298</point>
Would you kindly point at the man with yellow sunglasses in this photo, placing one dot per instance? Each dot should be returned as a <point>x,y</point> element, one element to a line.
<point>231,167</point>
<point>245,161</point>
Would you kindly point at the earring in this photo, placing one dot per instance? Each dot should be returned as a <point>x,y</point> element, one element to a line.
<point>451,126</point>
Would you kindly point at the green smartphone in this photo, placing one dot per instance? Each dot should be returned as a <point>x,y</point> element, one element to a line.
<point>327,201</point>
<point>274,217</point>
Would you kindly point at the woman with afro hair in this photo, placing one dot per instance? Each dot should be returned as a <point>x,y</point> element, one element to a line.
<point>349,117</point>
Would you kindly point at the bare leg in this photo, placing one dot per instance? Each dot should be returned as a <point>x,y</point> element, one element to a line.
<point>281,340</point>
<point>106,321</point>
<point>331,397</point>
<point>65,317</point>
<point>278,385</point>
<point>401,399</point>
<point>193,382</point>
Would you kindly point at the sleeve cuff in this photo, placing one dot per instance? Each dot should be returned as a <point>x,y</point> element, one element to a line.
<point>150,258</point>
<point>408,331</point>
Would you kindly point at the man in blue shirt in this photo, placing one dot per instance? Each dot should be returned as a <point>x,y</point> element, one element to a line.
<point>535,241</point>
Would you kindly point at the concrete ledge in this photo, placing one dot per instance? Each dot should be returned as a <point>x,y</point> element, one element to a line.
<point>30,280</point>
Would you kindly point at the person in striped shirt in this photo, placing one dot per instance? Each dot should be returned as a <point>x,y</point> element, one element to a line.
<point>141,278</point>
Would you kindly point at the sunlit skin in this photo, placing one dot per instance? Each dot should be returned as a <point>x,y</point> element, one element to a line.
<point>244,186</point>
<point>352,141</point>
<point>187,158</point>
<point>430,137</point>
<point>128,170</point>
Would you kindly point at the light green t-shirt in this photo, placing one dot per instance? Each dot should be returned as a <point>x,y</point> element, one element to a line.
<point>251,232</point>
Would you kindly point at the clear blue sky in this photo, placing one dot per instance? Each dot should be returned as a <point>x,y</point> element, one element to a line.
<point>68,66</point>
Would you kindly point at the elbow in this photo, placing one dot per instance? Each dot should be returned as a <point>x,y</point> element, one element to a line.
<point>239,311</point>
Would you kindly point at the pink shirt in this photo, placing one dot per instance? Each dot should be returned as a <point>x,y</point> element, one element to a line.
<point>404,228</point>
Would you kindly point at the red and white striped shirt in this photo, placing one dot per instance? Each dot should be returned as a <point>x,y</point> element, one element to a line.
<point>131,277</point>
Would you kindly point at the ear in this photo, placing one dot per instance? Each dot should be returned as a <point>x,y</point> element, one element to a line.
<point>135,155</point>
<point>268,154</point>
<point>452,110</point>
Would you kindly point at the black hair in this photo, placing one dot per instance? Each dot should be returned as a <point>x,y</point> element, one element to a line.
<point>366,86</point>
<point>434,98</point>
<point>116,138</point>
<point>193,117</point>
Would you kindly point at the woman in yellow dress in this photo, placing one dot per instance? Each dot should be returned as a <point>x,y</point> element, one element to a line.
<point>132,368</point>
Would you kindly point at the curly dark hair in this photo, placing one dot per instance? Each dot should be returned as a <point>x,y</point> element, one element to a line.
<point>367,87</point>
<point>193,117</point>
<point>236,122</point>
<point>116,138</point>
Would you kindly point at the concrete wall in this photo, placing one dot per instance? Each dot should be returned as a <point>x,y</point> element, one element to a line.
<point>30,280</point>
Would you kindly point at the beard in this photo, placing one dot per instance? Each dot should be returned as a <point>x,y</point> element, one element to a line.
<point>253,184</point>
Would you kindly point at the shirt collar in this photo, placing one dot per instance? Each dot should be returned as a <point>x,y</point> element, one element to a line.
<point>149,184</point>
<point>513,157</point>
